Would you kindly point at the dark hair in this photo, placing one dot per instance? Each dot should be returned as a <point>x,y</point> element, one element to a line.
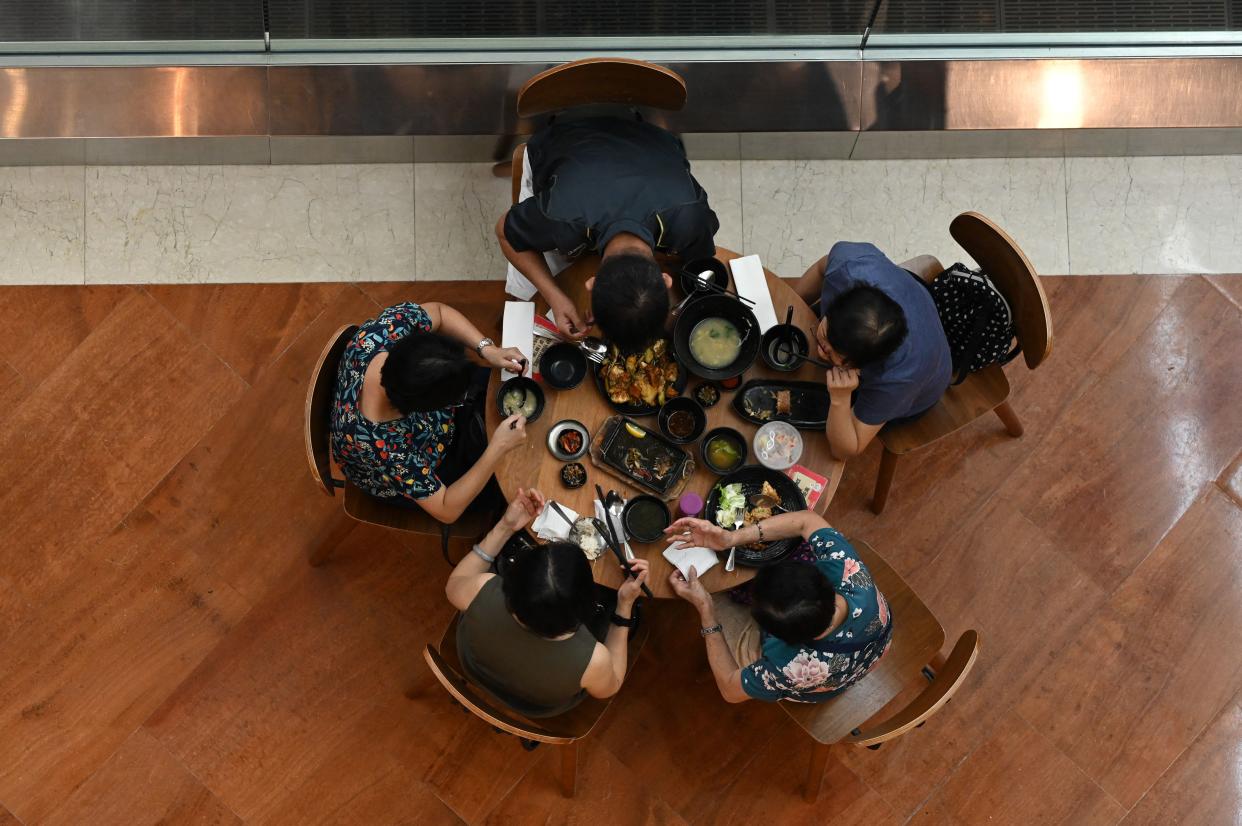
<point>864,325</point>
<point>425,371</point>
<point>630,301</point>
<point>550,588</point>
<point>794,601</point>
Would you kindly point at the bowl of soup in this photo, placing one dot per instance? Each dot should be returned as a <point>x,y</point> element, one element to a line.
<point>520,394</point>
<point>682,420</point>
<point>724,450</point>
<point>716,337</point>
<point>645,518</point>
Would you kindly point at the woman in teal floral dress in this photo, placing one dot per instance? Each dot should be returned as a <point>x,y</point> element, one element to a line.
<point>817,623</point>
<point>401,405</point>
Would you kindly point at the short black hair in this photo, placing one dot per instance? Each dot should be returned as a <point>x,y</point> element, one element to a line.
<point>550,589</point>
<point>425,371</point>
<point>865,326</point>
<point>630,301</point>
<point>794,601</point>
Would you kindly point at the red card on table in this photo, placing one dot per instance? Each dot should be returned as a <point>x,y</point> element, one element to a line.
<point>811,484</point>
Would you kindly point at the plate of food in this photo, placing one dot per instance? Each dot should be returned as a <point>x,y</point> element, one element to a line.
<point>759,493</point>
<point>803,404</point>
<point>639,384</point>
<point>644,456</point>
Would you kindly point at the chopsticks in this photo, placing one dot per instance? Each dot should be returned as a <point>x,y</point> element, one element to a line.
<point>613,543</point>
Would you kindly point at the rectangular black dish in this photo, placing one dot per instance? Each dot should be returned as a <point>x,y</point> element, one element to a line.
<point>652,449</point>
<point>755,401</point>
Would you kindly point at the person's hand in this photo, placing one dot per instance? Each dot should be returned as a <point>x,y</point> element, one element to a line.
<point>510,433</point>
<point>699,532</point>
<point>510,358</point>
<point>841,382</point>
<point>524,508</point>
<point>568,321</point>
<point>691,590</point>
<point>633,586</point>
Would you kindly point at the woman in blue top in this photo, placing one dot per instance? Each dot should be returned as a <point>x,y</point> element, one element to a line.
<point>400,406</point>
<point>816,625</point>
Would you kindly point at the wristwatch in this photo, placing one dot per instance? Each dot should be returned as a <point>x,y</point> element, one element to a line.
<point>487,342</point>
<point>617,619</point>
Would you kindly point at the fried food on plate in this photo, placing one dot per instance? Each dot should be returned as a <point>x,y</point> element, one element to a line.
<point>643,378</point>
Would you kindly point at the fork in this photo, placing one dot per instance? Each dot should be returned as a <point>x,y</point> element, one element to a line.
<point>738,520</point>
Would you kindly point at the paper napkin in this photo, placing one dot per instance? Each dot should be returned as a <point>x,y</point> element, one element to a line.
<point>751,283</point>
<point>518,330</point>
<point>682,557</point>
<point>550,526</point>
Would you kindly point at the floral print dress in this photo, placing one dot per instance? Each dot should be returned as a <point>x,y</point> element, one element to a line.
<point>816,672</point>
<point>386,459</point>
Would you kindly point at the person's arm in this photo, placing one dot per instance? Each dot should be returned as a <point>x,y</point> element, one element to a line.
<point>450,322</point>
<point>473,572</point>
<point>532,264</point>
<point>449,502</point>
<point>606,671</point>
<point>724,667</point>
<point>847,435</point>
<point>704,534</point>
<point>811,284</point>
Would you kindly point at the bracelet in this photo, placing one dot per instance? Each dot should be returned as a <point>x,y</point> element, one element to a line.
<point>759,526</point>
<point>483,555</point>
<point>624,622</point>
<point>715,629</point>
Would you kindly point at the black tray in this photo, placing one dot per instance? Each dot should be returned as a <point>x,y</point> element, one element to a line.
<point>683,377</point>
<point>619,441</point>
<point>752,478</point>
<point>808,402</point>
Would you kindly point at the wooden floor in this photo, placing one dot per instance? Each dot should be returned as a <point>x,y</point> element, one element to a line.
<point>167,656</point>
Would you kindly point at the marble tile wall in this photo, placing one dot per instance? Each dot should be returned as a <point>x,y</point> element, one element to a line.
<point>402,221</point>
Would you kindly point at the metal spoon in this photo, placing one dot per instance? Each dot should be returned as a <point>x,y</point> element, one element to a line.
<point>595,348</point>
<point>702,280</point>
<point>614,504</point>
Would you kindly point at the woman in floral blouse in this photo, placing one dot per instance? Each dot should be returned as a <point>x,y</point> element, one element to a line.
<point>401,405</point>
<point>817,624</point>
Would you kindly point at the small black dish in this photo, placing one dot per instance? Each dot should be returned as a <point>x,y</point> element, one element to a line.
<point>706,394</point>
<point>645,518</point>
<point>731,310</point>
<point>563,366</point>
<point>530,386</point>
<point>786,340</point>
<point>682,407</point>
<point>690,274</point>
<point>573,475</point>
<point>735,438</point>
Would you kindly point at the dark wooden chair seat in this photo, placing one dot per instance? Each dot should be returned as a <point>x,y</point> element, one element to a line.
<point>564,730</point>
<point>594,80</point>
<point>987,390</point>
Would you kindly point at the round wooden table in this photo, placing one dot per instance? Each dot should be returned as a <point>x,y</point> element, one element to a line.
<point>534,466</point>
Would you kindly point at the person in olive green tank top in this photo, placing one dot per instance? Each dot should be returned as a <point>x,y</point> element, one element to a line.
<point>525,637</point>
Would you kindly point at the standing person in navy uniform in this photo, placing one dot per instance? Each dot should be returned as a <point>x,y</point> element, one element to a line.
<point>618,187</point>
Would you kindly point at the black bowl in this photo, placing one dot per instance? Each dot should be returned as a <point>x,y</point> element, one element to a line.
<point>690,274</point>
<point>732,435</point>
<point>731,310</point>
<point>647,511</point>
<point>688,405</point>
<point>784,335</point>
<point>573,475</point>
<point>526,383</point>
<point>563,366</point>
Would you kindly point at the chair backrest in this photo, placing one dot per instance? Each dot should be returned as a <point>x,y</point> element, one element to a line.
<point>318,412</point>
<point>1011,271</point>
<point>601,80</point>
<point>445,664</point>
<point>917,637</point>
<point>948,680</point>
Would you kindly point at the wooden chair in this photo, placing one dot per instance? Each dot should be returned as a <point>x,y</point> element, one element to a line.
<point>914,652</point>
<point>987,390</point>
<point>564,730</point>
<point>359,506</point>
<point>595,80</point>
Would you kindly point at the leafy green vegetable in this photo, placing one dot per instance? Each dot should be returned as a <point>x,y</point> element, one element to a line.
<point>731,499</point>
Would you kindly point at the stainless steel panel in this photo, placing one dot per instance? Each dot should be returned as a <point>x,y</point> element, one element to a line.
<point>1088,142</point>
<point>241,149</point>
<point>797,146</point>
<point>1018,143</point>
<point>1052,94</point>
<point>319,149</point>
<point>447,99</point>
<point>137,102</point>
<point>42,151</point>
